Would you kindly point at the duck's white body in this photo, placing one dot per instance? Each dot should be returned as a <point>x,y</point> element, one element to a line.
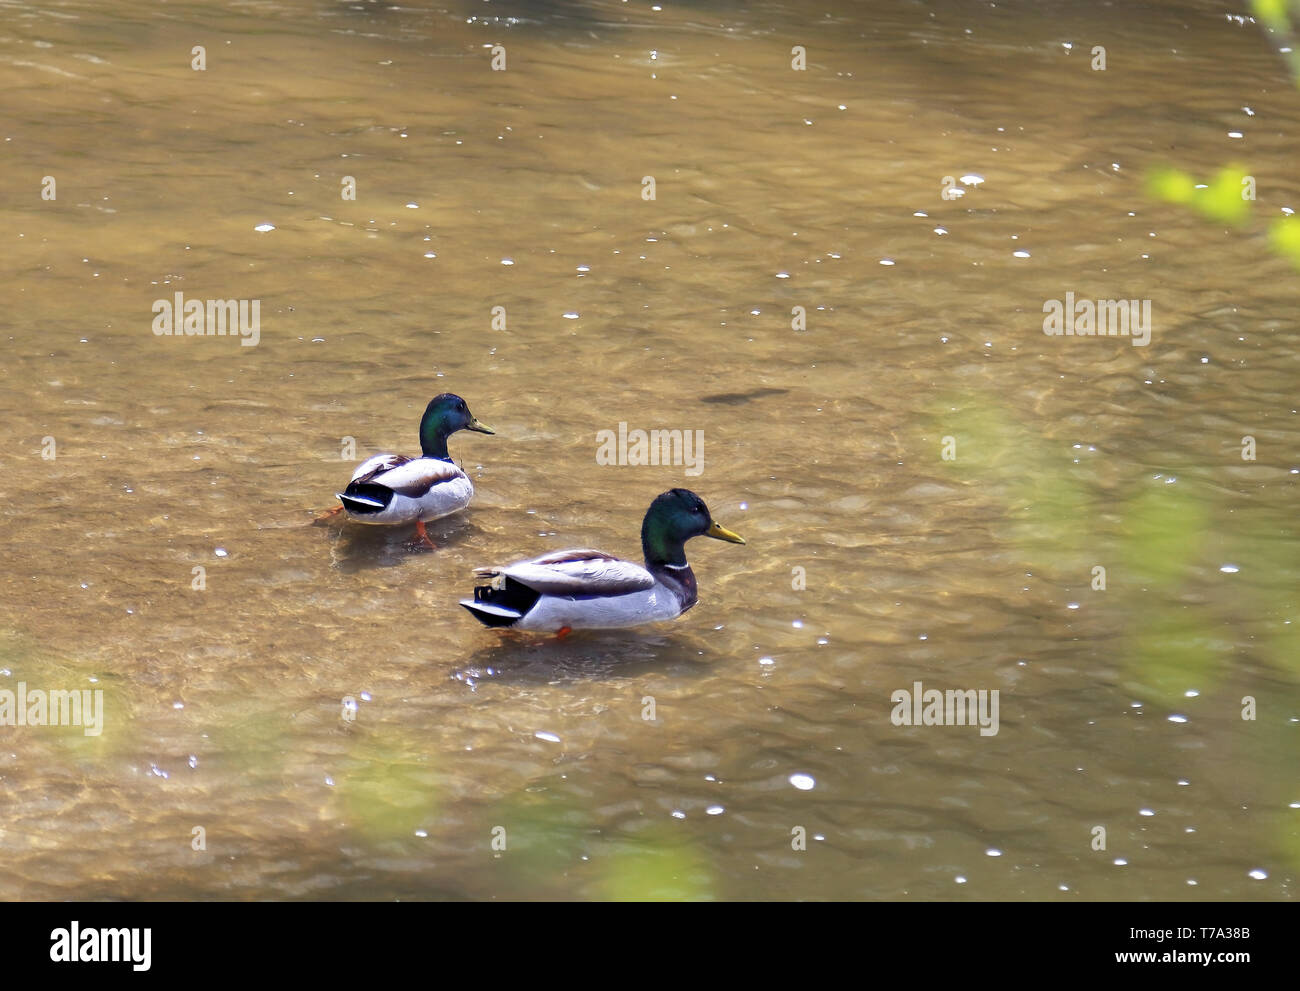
<point>579,590</point>
<point>392,488</point>
<point>552,612</point>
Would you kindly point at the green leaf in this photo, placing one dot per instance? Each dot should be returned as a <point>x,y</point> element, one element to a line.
<point>1222,199</point>
<point>1272,12</point>
<point>1284,236</point>
<point>1171,185</point>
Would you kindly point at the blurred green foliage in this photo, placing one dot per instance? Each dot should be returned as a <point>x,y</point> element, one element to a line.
<point>1172,651</point>
<point>1224,198</point>
<point>1280,18</point>
<point>1176,615</point>
<point>1284,236</point>
<point>1229,197</point>
<point>388,786</point>
<point>658,866</point>
<point>554,843</point>
<point>1162,534</point>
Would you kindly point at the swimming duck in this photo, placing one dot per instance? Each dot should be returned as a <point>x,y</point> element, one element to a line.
<point>591,590</point>
<point>392,488</point>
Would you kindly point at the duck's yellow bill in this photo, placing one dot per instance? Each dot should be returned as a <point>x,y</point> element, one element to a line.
<point>722,533</point>
<point>476,424</point>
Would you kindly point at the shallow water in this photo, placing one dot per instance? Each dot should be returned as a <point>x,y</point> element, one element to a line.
<point>774,188</point>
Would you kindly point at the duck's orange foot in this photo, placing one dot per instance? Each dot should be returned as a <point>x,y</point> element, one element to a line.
<point>424,537</point>
<point>329,514</point>
<point>560,634</point>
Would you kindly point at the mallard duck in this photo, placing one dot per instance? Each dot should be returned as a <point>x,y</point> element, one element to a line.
<point>591,590</point>
<point>392,488</point>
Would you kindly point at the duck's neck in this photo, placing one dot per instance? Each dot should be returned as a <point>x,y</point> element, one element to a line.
<point>666,560</point>
<point>433,444</point>
<point>680,580</point>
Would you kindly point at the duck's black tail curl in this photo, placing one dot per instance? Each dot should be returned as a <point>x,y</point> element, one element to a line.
<point>503,606</point>
<point>363,498</point>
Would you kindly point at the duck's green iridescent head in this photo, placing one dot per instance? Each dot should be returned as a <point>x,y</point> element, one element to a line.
<point>674,518</point>
<point>443,416</point>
